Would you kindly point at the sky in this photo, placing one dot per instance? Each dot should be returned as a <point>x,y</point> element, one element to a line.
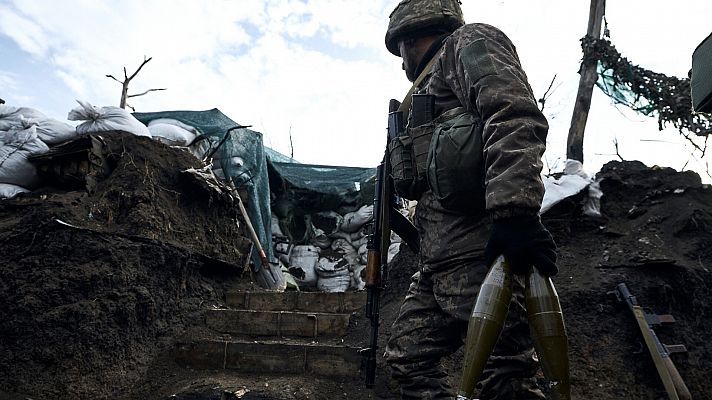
<point>318,70</point>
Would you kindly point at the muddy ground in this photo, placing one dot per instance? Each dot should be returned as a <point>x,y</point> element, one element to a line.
<point>92,304</point>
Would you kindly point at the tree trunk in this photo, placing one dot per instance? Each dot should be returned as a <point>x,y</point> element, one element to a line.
<point>589,75</point>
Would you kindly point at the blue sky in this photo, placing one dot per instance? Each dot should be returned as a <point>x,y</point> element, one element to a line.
<point>319,69</point>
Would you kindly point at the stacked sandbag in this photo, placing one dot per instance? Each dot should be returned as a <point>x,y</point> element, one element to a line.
<point>15,169</point>
<point>105,119</point>
<point>340,242</point>
<point>172,132</point>
<point>8,190</point>
<point>334,274</point>
<point>354,221</point>
<point>49,130</point>
<point>302,265</point>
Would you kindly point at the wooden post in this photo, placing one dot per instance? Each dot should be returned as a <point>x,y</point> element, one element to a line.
<point>589,75</point>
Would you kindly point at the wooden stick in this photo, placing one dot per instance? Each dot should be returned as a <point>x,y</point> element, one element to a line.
<point>589,76</point>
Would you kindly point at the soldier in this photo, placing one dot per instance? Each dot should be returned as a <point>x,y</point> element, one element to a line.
<point>467,219</point>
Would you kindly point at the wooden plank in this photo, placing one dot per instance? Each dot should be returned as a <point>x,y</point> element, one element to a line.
<point>200,354</point>
<point>277,323</point>
<point>346,302</point>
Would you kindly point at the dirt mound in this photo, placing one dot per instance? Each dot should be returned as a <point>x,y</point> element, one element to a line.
<point>94,285</point>
<point>91,302</point>
<point>654,234</point>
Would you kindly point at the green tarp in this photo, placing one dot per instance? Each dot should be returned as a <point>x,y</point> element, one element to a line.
<point>249,174</point>
<point>319,187</point>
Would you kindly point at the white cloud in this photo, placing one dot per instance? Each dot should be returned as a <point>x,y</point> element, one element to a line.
<point>320,67</point>
<point>7,81</point>
<point>28,35</point>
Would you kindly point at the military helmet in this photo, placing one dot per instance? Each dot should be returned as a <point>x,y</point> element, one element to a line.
<point>413,16</point>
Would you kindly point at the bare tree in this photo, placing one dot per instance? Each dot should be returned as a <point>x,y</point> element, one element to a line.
<point>125,85</point>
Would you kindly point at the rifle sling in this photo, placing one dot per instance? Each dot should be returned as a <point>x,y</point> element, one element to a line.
<point>405,229</point>
<point>405,104</point>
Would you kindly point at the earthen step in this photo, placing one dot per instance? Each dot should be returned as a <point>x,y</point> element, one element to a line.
<point>268,357</point>
<point>297,301</point>
<point>277,323</point>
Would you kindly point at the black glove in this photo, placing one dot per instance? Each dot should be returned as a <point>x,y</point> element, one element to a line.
<point>524,241</point>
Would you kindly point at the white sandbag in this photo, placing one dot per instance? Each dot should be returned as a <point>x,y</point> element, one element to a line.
<point>320,239</point>
<point>330,266</point>
<point>234,162</point>
<point>174,122</point>
<point>302,264</point>
<point>346,250</point>
<point>282,247</point>
<point>363,254</point>
<point>6,110</point>
<point>17,147</point>
<point>335,284</point>
<point>592,205</point>
<point>353,221</point>
<point>171,135</point>
<point>359,234</point>
<point>341,235</point>
<point>11,117</point>
<point>50,130</point>
<point>342,246</point>
<point>104,119</point>
<point>393,249</point>
<point>357,277</point>
<point>8,190</point>
<point>360,241</point>
<point>282,250</point>
<point>570,184</point>
<point>328,221</point>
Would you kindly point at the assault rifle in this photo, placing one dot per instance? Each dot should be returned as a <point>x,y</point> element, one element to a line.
<point>385,218</point>
<point>674,385</point>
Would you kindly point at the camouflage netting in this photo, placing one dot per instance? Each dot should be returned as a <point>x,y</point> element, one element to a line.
<point>645,91</point>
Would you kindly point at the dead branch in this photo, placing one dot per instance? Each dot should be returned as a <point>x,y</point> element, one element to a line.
<point>291,143</point>
<point>546,94</point>
<point>615,143</point>
<point>125,84</point>
<point>227,134</point>
<point>141,94</point>
<point>2,101</point>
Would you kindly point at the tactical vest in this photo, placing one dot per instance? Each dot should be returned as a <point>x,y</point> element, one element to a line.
<point>445,156</point>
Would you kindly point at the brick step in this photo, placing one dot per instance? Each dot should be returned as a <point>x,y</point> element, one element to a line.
<point>268,357</point>
<point>277,323</point>
<point>346,302</point>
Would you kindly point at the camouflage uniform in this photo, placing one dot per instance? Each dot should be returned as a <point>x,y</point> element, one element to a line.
<point>478,69</point>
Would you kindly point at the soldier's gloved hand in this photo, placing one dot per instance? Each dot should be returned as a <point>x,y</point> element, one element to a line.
<point>524,241</point>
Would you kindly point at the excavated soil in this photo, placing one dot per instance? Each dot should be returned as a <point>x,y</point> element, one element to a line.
<point>93,287</point>
<point>92,304</point>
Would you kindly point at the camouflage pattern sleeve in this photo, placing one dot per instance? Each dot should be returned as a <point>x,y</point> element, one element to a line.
<point>488,78</point>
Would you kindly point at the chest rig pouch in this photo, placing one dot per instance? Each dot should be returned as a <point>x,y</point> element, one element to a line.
<point>409,152</point>
<point>455,162</point>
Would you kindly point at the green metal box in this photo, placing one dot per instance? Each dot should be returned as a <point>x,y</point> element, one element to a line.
<point>701,80</point>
